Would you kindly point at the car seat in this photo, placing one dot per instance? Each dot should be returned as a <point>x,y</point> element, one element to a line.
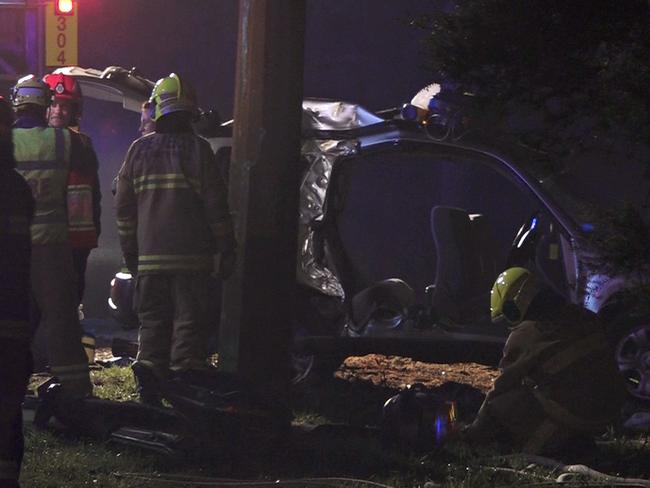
<point>465,267</point>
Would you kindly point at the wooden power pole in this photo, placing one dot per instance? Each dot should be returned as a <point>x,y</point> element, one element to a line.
<point>263,191</point>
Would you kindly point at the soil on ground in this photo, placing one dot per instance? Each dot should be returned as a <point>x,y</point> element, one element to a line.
<point>397,372</point>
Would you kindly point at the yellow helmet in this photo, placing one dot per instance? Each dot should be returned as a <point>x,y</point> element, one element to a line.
<point>30,89</point>
<point>170,94</point>
<point>511,295</point>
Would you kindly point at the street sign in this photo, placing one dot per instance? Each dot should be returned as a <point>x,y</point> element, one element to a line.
<point>61,45</point>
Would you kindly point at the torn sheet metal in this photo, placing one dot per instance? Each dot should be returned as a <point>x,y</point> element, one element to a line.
<point>335,115</point>
<point>321,156</point>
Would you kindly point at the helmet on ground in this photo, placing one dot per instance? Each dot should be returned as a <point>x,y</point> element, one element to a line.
<point>64,87</point>
<point>511,295</point>
<point>171,94</point>
<point>31,90</point>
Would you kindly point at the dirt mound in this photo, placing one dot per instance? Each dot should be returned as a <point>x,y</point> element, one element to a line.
<point>398,372</point>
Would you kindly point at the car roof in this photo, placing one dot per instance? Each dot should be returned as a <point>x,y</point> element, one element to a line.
<point>130,88</point>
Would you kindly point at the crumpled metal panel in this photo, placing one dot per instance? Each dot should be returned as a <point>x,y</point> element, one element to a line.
<point>320,156</point>
<point>335,115</point>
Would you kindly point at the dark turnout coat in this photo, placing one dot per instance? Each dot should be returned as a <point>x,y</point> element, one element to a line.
<point>558,383</point>
<point>16,211</point>
<point>172,212</point>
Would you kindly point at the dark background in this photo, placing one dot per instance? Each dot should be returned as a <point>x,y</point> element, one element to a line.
<point>363,51</point>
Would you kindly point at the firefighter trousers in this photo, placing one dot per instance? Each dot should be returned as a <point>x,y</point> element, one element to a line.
<point>15,368</point>
<point>174,322</point>
<point>55,294</point>
<point>80,262</point>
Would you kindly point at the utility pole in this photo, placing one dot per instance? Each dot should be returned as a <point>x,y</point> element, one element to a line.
<point>263,191</point>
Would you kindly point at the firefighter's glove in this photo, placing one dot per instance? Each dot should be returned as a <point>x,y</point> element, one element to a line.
<point>225,263</point>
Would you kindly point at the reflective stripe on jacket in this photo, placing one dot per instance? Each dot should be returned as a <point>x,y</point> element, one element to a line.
<point>43,159</point>
<point>81,224</point>
<point>84,196</point>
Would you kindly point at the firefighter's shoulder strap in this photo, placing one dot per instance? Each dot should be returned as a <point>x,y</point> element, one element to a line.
<point>573,352</point>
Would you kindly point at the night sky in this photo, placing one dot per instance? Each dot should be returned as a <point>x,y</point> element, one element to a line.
<point>361,50</point>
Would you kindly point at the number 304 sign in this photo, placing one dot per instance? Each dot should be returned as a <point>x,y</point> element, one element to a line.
<point>60,36</point>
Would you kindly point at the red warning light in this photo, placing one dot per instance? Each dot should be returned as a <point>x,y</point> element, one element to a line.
<point>64,7</point>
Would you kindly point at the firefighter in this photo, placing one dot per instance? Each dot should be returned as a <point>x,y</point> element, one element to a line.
<point>172,218</point>
<point>558,385</point>
<point>16,211</point>
<point>147,124</point>
<point>83,195</point>
<point>44,157</point>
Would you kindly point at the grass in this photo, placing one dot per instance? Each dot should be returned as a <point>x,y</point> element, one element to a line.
<point>114,384</point>
<point>341,441</point>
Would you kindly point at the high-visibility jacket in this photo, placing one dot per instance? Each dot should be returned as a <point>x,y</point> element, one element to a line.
<point>172,212</point>
<point>83,198</point>
<point>43,159</point>
<point>16,210</point>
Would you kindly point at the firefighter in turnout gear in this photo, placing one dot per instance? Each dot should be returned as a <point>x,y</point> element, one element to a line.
<point>559,385</point>
<point>83,195</point>
<point>172,219</point>
<point>16,211</point>
<point>44,157</point>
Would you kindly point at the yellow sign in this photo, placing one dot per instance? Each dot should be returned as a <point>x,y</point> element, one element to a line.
<point>61,45</point>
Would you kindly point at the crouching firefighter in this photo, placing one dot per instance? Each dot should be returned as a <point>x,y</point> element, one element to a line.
<point>172,218</point>
<point>16,210</point>
<point>559,385</point>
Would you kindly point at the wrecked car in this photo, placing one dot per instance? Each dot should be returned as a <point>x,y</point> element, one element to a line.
<point>402,233</point>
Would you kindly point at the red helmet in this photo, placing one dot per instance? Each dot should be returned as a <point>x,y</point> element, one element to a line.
<point>64,87</point>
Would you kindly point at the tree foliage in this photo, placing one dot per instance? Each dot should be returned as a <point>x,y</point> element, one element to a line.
<point>577,72</point>
<point>563,77</point>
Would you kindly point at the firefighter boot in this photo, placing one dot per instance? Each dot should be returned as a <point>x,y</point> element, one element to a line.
<point>148,382</point>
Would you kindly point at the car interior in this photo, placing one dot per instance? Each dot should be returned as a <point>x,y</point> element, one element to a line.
<point>442,223</point>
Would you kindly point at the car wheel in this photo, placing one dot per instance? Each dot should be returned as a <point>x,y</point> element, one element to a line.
<point>632,355</point>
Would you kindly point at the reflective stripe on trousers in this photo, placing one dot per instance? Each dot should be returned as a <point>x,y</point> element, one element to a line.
<point>175,262</point>
<point>126,227</point>
<point>174,321</point>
